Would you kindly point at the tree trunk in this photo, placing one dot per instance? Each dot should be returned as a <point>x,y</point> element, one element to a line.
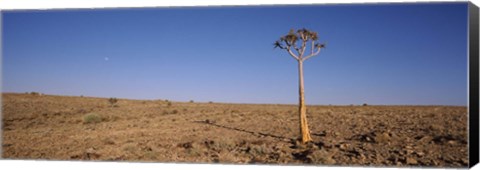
<point>302,108</point>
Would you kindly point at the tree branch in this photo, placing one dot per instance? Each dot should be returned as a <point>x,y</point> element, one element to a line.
<point>311,55</point>
<point>291,53</point>
<point>304,47</point>
<point>313,46</point>
<point>294,44</point>
<point>287,43</point>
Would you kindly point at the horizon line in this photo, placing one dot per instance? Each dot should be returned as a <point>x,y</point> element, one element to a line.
<point>421,105</point>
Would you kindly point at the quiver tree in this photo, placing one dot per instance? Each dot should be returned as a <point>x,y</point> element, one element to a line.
<point>295,43</point>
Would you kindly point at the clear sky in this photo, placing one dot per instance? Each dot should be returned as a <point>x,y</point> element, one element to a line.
<point>405,54</point>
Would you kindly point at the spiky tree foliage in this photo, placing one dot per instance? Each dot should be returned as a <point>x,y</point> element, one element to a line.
<point>295,43</point>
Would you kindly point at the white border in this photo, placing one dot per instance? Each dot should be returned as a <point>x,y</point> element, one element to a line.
<point>7,5</point>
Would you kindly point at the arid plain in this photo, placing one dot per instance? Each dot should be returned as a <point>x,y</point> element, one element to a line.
<point>47,127</point>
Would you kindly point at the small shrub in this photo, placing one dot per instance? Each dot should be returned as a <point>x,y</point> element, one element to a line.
<point>164,112</point>
<point>150,155</point>
<point>108,141</point>
<point>225,145</point>
<point>364,104</point>
<point>169,103</point>
<point>194,152</point>
<point>191,101</point>
<point>259,150</point>
<point>228,157</point>
<point>34,93</point>
<point>92,118</point>
<point>112,101</point>
<point>210,102</point>
<point>130,148</point>
<point>321,157</point>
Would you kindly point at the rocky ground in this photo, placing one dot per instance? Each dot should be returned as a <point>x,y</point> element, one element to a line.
<point>83,128</point>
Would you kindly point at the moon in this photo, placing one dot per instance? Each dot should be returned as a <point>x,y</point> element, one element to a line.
<point>106,58</point>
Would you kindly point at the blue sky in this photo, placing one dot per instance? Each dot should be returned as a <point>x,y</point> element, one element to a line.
<point>405,54</point>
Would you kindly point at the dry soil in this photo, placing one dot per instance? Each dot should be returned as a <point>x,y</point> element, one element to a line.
<point>51,127</point>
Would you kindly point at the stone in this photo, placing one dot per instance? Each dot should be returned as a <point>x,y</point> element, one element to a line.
<point>90,151</point>
<point>321,156</point>
<point>330,161</point>
<point>336,134</point>
<point>327,145</point>
<point>420,154</point>
<point>343,146</point>
<point>382,137</point>
<point>452,142</point>
<point>362,157</point>
<point>408,151</point>
<point>465,161</point>
<point>411,161</point>
<point>425,139</point>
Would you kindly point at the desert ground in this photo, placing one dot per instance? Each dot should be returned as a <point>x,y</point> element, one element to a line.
<point>47,127</point>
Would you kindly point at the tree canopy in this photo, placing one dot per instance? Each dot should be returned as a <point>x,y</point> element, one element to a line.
<point>298,40</point>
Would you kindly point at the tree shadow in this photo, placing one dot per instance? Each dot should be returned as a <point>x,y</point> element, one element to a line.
<point>259,134</point>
